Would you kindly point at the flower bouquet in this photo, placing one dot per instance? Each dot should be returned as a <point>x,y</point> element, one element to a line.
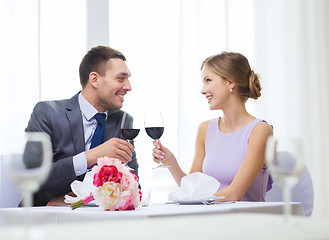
<point>116,187</point>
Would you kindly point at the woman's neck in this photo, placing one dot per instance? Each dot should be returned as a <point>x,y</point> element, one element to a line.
<point>235,118</point>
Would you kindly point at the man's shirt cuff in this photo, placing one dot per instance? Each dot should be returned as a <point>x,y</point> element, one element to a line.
<point>80,164</point>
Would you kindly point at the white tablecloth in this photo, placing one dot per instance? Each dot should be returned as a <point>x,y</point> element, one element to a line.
<point>205,226</point>
<point>64,214</point>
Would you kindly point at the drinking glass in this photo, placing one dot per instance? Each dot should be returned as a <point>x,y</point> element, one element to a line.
<point>28,164</point>
<point>284,158</point>
<point>130,127</point>
<point>154,127</point>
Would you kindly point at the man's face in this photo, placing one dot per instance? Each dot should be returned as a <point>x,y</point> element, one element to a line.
<point>113,86</point>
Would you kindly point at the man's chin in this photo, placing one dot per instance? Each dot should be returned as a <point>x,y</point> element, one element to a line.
<point>115,107</point>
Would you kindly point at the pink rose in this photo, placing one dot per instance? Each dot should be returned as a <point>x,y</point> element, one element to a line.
<point>100,163</point>
<point>127,181</point>
<point>107,173</point>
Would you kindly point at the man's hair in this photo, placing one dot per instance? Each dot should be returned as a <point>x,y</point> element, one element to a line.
<point>96,60</point>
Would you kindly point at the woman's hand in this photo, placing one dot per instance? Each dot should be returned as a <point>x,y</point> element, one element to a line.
<point>163,154</point>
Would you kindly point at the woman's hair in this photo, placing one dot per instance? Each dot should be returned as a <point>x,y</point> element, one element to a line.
<point>235,68</point>
<point>96,61</point>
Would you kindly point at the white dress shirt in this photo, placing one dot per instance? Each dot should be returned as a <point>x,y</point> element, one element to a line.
<point>88,113</point>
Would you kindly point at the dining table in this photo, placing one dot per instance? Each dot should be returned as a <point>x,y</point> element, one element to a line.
<point>233,220</point>
<point>64,214</point>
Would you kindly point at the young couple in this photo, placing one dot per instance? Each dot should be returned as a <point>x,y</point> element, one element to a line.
<point>230,148</point>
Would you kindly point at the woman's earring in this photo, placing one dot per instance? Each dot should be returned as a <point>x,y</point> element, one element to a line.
<point>231,90</point>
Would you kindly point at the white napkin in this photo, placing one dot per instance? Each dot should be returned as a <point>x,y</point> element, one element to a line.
<point>81,189</point>
<point>195,186</point>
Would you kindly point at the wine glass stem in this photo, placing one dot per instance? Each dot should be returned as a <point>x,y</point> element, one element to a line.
<point>287,205</point>
<point>156,143</point>
<point>27,203</point>
<point>126,164</point>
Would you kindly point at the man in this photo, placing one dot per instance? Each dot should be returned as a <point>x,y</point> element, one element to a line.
<point>71,123</point>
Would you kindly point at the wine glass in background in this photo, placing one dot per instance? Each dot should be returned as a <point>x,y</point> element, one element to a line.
<point>154,127</point>
<point>130,127</point>
<point>284,158</point>
<point>28,164</point>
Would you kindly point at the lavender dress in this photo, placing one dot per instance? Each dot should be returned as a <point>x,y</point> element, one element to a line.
<point>224,153</point>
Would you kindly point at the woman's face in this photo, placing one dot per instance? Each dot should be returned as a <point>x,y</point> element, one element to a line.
<point>215,88</point>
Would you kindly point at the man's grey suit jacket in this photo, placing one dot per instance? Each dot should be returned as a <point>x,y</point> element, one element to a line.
<point>62,120</point>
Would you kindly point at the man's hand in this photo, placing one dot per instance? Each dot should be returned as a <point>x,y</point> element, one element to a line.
<point>113,148</point>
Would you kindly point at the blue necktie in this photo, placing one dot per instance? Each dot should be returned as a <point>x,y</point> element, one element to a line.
<point>98,137</point>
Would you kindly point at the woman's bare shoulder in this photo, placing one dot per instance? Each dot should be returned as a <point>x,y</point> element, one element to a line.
<point>204,124</point>
<point>202,130</point>
<point>262,128</point>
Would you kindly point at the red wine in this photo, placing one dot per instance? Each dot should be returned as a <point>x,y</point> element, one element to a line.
<point>154,132</point>
<point>130,134</point>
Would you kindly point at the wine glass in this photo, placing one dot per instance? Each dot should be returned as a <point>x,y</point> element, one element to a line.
<point>285,160</point>
<point>28,164</point>
<point>154,127</point>
<point>130,127</point>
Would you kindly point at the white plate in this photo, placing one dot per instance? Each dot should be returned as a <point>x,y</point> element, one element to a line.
<point>194,202</point>
<point>207,201</point>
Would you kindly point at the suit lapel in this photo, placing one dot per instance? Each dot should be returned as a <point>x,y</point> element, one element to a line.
<point>74,117</point>
<point>113,124</point>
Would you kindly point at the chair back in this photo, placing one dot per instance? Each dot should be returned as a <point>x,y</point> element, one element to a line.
<point>10,196</point>
<point>302,192</point>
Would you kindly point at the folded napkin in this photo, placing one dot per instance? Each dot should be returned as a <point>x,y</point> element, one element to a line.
<point>195,186</point>
<point>81,189</point>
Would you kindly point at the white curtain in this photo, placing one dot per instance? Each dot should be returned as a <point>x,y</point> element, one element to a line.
<point>202,33</point>
<point>19,67</point>
<point>292,55</point>
<point>63,43</point>
<point>207,27</point>
<point>41,44</point>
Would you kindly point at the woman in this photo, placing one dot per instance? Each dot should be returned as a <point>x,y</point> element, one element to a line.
<point>229,148</point>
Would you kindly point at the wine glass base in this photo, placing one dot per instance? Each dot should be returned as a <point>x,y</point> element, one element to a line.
<point>161,166</point>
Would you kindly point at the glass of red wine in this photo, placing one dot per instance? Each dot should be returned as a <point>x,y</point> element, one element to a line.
<point>130,127</point>
<point>154,127</point>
